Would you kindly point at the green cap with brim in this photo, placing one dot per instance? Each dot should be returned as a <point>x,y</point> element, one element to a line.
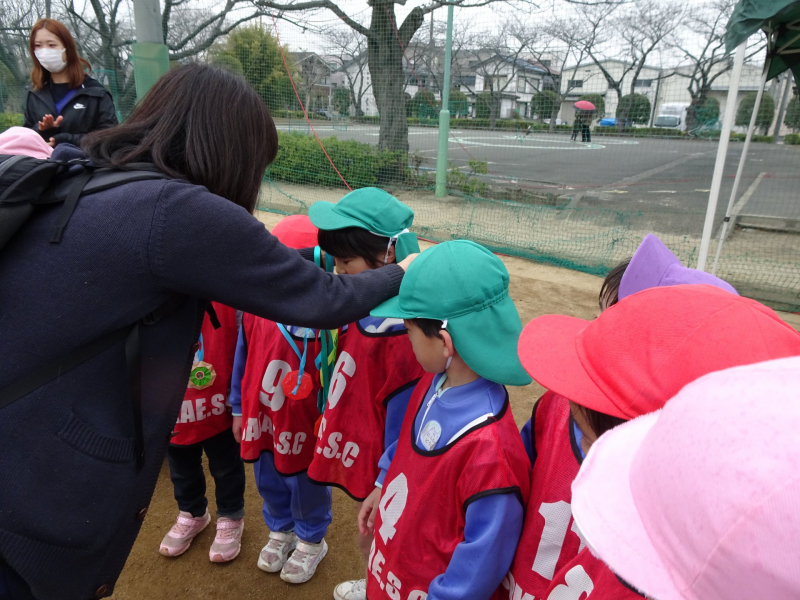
<point>464,284</point>
<point>372,209</point>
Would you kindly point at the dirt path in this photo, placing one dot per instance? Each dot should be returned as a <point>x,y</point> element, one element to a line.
<point>536,289</point>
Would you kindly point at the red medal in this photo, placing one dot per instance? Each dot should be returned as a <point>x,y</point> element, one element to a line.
<point>289,383</point>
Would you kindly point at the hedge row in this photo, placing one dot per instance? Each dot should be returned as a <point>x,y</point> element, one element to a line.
<point>638,131</point>
<point>792,139</point>
<point>462,123</point>
<point>740,137</point>
<point>298,114</point>
<point>362,165</point>
<point>10,120</point>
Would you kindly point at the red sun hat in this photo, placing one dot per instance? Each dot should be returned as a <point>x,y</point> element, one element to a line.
<point>640,352</point>
<point>296,231</point>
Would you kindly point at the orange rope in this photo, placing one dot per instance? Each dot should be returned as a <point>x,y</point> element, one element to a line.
<point>305,113</point>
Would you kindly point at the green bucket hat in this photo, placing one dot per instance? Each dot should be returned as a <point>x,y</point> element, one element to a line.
<point>372,209</point>
<point>464,284</point>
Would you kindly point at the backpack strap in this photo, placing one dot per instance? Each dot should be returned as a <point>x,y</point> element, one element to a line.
<point>92,180</point>
<point>74,191</point>
<point>133,363</point>
<point>133,360</point>
<point>212,316</point>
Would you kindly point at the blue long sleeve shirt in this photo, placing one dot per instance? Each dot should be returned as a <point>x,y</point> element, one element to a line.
<point>493,523</point>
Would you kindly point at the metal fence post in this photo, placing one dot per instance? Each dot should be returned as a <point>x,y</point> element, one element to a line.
<point>444,113</point>
<point>150,54</point>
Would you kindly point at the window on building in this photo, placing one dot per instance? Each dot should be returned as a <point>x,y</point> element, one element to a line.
<point>575,83</point>
<point>643,83</point>
<point>545,63</point>
<point>468,80</point>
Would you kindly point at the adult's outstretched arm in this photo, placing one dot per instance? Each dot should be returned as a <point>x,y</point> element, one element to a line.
<point>205,246</point>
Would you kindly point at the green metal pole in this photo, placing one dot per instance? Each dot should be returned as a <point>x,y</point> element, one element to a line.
<point>444,114</point>
<point>150,54</point>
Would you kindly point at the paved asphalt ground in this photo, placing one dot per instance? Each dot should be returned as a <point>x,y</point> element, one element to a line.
<point>666,179</point>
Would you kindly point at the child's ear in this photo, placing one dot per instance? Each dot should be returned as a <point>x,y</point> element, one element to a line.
<point>391,255</point>
<point>448,349</point>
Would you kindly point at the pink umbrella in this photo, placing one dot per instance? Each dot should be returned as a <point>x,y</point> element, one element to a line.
<point>584,105</point>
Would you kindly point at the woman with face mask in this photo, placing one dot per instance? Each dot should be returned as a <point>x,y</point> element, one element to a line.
<point>63,103</point>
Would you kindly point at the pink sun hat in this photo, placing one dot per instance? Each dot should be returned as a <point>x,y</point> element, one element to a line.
<point>21,140</point>
<point>654,265</point>
<point>700,500</point>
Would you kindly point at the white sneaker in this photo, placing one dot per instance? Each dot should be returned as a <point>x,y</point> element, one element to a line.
<point>351,590</point>
<point>304,560</point>
<point>275,554</point>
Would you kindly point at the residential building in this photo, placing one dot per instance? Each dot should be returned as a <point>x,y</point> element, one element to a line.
<point>314,84</point>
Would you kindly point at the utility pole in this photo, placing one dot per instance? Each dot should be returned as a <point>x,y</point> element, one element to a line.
<point>47,8</point>
<point>787,85</point>
<point>150,53</point>
<point>444,113</point>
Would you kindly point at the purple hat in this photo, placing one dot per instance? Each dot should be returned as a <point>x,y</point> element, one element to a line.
<point>654,265</point>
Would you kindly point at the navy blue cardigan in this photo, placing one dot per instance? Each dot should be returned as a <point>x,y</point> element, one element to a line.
<point>71,497</point>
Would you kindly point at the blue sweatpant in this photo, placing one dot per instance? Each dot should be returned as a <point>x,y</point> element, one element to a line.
<point>293,503</point>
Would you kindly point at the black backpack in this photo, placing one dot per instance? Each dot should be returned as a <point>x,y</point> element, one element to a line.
<point>27,183</point>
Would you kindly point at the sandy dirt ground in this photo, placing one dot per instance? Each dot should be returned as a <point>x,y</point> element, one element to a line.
<point>536,289</point>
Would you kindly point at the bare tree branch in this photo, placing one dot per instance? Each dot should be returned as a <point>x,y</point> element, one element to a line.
<point>315,4</point>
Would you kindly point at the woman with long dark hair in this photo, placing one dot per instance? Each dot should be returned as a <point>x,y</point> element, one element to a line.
<point>64,103</point>
<point>73,487</point>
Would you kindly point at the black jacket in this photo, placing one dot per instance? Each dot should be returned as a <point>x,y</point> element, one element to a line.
<point>71,497</point>
<point>91,108</point>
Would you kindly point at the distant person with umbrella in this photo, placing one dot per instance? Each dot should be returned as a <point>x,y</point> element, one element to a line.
<point>576,126</point>
<point>584,120</point>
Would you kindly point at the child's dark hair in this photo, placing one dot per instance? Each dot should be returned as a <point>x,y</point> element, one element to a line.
<point>354,242</point>
<point>430,327</point>
<point>609,292</point>
<point>599,422</point>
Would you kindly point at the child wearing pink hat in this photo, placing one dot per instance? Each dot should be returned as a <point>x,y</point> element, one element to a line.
<point>274,396</point>
<point>626,363</point>
<point>24,141</point>
<point>698,501</point>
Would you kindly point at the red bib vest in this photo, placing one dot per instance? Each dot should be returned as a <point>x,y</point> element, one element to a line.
<point>371,368</point>
<point>204,412</point>
<point>271,421</point>
<point>586,576</point>
<point>550,537</point>
<point>422,511</point>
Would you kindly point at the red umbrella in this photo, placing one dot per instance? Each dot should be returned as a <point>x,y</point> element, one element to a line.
<point>584,105</point>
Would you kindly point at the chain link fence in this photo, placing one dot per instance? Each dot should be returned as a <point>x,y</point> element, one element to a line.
<point>558,151</point>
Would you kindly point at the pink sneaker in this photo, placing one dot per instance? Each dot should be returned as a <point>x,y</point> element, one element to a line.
<point>228,542</point>
<point>179,538</point>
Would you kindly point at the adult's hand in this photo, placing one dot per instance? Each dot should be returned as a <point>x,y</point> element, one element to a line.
<point>52,143</point>
<point>406,262</point>
<point>48,122</point>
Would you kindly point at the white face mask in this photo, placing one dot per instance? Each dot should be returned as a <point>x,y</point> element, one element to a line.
<point>51,59</point>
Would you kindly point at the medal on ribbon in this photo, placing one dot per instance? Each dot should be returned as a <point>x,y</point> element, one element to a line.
<point>202,375</point>
<point>297,385</point>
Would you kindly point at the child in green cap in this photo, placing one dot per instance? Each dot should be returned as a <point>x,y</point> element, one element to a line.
<point>447,511</point>
<point>375,371</point>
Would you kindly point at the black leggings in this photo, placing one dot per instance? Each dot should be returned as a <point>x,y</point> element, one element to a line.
<point>226,467</point>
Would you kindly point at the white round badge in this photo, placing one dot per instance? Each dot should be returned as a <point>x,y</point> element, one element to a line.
<point>431,433</point>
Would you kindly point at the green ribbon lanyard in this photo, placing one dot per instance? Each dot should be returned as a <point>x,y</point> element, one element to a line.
<point>328,344</point>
